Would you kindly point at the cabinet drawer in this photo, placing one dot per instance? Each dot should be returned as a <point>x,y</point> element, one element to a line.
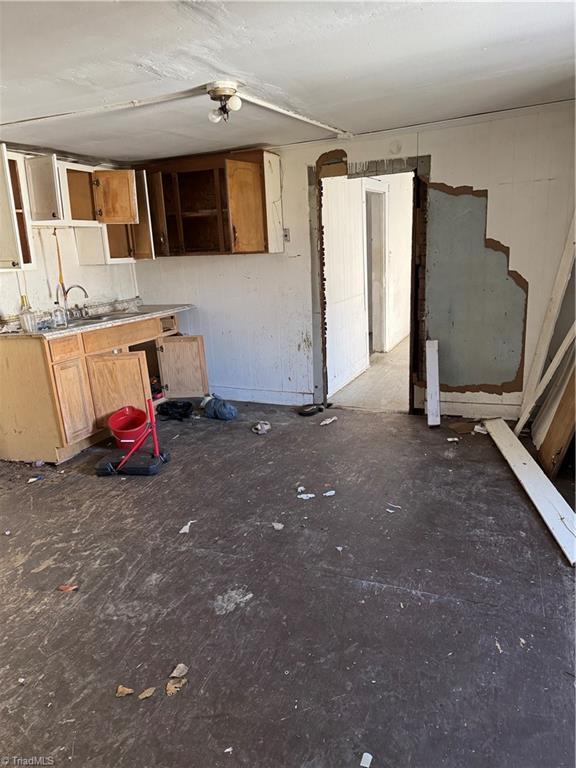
<point>65,348</point>
<point>121,335</point>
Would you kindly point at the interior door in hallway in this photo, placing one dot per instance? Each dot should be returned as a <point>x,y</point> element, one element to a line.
<point>343,218</point>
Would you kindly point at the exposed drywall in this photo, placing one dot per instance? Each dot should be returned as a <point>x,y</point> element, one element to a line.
<point>475,308</point>
<point>115,281</point>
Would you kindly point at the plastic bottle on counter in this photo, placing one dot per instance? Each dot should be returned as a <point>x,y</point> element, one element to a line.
<point>59,316</point>
<point>27,316</point>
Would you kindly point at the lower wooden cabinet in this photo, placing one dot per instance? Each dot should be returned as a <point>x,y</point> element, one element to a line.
<point>52,408</point>
<point>182,366</point>
<point>117,380</point>
<point>74,399</point>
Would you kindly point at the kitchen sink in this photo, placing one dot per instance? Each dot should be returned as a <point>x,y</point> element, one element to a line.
<point>102,318</point>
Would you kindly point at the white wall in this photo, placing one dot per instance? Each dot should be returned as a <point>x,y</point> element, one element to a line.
<point>256,310</point>
<point>398,257</point>
<point>103,282</point>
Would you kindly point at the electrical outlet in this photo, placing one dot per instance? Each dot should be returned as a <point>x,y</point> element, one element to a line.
<point>286,233</point>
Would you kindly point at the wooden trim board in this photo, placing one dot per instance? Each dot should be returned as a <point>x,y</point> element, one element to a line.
<point>551,316</point>
<point>432,383</point>
<point>528,406</point>
<point>553,509</point>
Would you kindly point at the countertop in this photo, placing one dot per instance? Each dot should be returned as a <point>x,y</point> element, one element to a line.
<point>111,318</point>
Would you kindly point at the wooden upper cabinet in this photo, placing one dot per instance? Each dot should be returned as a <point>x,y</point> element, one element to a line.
<point>10,250</point>
<point>158,214</point>
<point>220,203</point>
<point>115,197</point>
<point>245,184</point>
<point>44,188</point>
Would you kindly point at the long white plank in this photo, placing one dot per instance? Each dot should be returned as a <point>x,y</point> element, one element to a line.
<point>432,384</point>
<point>553,509</point>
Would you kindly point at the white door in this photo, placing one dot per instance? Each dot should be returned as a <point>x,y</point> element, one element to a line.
<point>343,217</point>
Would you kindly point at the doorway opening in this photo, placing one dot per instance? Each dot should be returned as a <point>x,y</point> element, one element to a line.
<point>367,226</point>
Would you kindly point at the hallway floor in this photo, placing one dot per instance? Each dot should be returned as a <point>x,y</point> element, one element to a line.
<point>383,387</point>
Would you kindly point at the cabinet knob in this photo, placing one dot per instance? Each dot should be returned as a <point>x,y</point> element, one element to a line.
<point>99,212</point>
<point>54,215</point>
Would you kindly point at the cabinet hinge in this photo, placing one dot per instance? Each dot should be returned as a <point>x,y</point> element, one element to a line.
<point>165,387</point>
<point>160,348</point>
<point>96,182</point>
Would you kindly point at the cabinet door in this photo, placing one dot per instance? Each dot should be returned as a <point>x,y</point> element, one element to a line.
<point>182,366</point>
<point>10,251</point>
<point>116,381</point>
<point>142,240</point>
<point>246,206</point>
<point>90,246</point>
<point>44,188</point>
<point>115,197</point>
<point>158,214</point>
<point>74,398</point>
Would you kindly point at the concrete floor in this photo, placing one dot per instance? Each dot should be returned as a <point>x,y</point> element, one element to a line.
<point>384,386</point>
<point>422,614</point>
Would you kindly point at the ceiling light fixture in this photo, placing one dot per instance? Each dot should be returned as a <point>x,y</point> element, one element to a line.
<point>225,93</point>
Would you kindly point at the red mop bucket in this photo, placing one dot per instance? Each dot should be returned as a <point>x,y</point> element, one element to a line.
<point>127,425</point>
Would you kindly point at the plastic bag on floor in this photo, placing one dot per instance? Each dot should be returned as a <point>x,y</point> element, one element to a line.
<point>217,408</point>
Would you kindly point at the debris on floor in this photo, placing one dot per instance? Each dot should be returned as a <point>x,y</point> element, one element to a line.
<point>176,410</point>
<point>122,691</point>
<point>329,493</point>
<point>325,422</point>
<point>462,427</point>
<point>300,489</point>
<point>35,479</point>
<point>146,693</point>
<point>179,670</point>
<point>366,761</point>
<point>499,647</point>
<point>216,408</point>
<point>175,684</point>
<point>186,528</point>
<point>68,588</point>
<point>228,750</point>
<point>261,427</point>
<point>7,533</point>
<point>230,600</point>
<point>396,506</point>
<point>21,681</point>
<point>306,496</point>
<point>339,549</point>
<point>278,526</point>
<point>480,429</point>
<point>453,439</point>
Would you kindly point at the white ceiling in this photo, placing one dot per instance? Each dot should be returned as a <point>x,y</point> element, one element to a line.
<point>359,66</point>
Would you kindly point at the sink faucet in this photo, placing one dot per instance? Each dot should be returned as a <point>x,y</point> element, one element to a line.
<point>66,291</point>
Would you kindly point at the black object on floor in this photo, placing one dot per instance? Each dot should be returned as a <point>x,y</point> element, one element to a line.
<point>176,410</point>
<point>139,464</point>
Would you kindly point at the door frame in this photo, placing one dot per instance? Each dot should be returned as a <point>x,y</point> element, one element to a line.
<point>335,163</point>
<point>376,304</point>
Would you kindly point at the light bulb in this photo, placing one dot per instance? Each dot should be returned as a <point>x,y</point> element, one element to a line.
<point>234,103</point>
<point>214,115</point>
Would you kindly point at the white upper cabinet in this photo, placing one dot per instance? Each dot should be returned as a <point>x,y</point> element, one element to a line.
<point>44,188</point>
<point>15,234</point>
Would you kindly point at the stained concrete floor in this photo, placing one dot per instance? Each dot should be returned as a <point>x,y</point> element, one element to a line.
<point>422,614</point>
<point>384,386</point>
